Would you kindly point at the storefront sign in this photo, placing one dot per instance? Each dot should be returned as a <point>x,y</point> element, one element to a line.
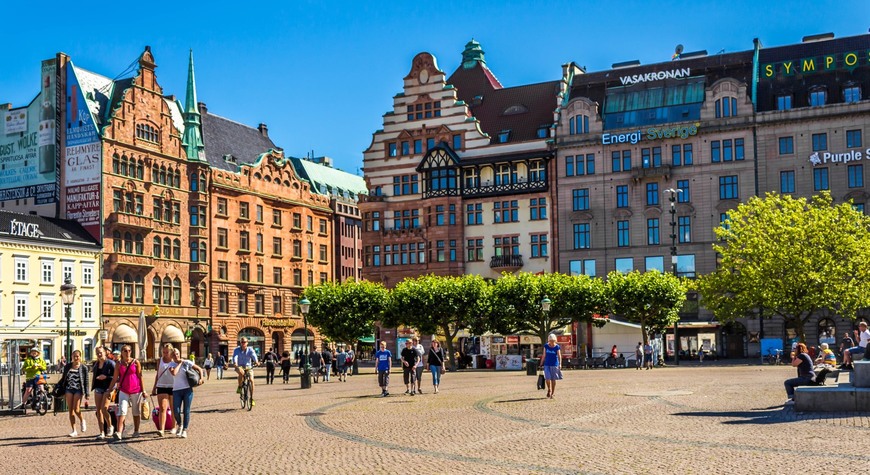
<point>508,362</point>
<point>652,133</point>
<point>829,62</point>
<point>136,309</point>
<point>497,340</point>
<point>72,332</point>
<point>827,157</point>
<point>18,228</point>
<point>16,121</point>
<point>83,159</point>
<point>278,322</point>
<point>654,76</point>
<point>513,340</point>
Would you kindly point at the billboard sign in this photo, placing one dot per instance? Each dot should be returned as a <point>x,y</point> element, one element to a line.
<point>28,145</point>
<point>82,158</point>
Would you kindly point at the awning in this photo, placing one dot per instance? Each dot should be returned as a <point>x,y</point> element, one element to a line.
<point>367,339</point>
<point>698,325</point>
<point>625,324</point>
<point>172,334</point>
<point>125,334</point>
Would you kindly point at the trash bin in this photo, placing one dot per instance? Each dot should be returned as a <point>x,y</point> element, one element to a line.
<point>479,361</point>
<point>532,366</point>
<point>59,405</point>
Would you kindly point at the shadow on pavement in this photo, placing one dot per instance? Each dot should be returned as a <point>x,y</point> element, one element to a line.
<point>519,400</point>
<point>770,415</point>
<point>214,411</point>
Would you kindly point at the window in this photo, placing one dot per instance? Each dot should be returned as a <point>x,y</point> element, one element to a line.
<point>147,133</point>
<point>297,248</point>
<point>222,270</point>
<point>504,136</point>
<point>818,97</point>
<point>582,267</point>
<point>726,107</point>
<point>277,246</point>
<point>820,142</point>
<point>88,309</point>
<point>651,157</point>
<point>474,214</point>
<point>323,253</point>
<point>623,236</point>
<point>786,181</point>
<point>310,247</point>
<point>222,206</point>
<point>715,151</point>
<point>727,152</point>
<point>259,243</point>
<point>392,149</point>
<point>856,176</point>
<point>622,196</point>
<point>472,178</point>
<point>683,196</point>
<point>405,185</point>
<point>624,264</point>
<point>47,271</point>
<point>424,110</point>
<point>21,270</point>
<point>569,165</point>
<point>506,211</point>
<point>222,240</point>
<point>783,102</point>
<point>538,208</point>
<point>579,124</point>
<point>851,94</point>
<point>652,194</point>
<point>589,166</point>
<point>580,198</point>
<point>223,302</point>
<point>277,216</point>
<point>457,142</point>
<point>539,245</point>
<point>176,248</point>
<point>686,265</point>
<point>621,161</point>
<point>655,263</point>
<point>245,272</point>
<point>820,179</point>
<point>46,308</point>
<point>297,277</point>
<point>506,174</point>
<point>67,272</point>
<point>652,231</point>
<point>87,275</point>
<point>243,304</point>
<point>244,241</point>
<point>728,187</point>
<point>323,226</point>
<point>21,312</point>
<point>277,276</point>
<point>853,138</point>
<point>244,210</point>
<point>738,150</point>
<point>786,145</point>
<point>507,245</point>
<point>582,239</point>
<point>259,304</point>
<point>258,213</point>
<point>297,221</point>
<point>474,250</point>
<point>684,228</point>
<point>538,171</point>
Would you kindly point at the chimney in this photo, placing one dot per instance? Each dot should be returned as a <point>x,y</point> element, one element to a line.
<point>264,131</point>
<point>202,108</point>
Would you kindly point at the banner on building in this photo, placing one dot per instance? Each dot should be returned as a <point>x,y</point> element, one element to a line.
<point>28,145</point>
<point>82,158</point>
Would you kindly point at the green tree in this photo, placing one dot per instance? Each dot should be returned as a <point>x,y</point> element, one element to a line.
<point>440,305</point>
<point>652,299</point>
<point>517,302</point>
<point>790,257</point>
<point>346,311</point>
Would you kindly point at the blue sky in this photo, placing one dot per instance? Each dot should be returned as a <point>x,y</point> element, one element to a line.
<point>321,74</point>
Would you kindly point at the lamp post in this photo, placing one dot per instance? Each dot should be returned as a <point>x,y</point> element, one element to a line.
<point>304,304</point>
<point>673,199</point>
<point>68,295</point>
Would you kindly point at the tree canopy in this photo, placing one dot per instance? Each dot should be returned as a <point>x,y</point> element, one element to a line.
<point>346,311</point>
<point>791,257</point>
<point>651,299</point>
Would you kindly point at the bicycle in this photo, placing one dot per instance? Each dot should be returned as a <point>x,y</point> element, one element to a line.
<point>39,400</point>
<point>247,395</point>
<point>774,356</point>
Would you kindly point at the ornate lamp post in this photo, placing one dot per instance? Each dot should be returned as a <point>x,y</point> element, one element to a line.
<point>545,304</point>
<point>673,199</point>
<point>304,305</point>
<point>68,296</point>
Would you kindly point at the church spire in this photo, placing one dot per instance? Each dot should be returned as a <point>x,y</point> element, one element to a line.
<point>192,139</point>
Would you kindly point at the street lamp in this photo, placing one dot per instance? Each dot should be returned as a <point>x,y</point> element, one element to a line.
<point>304,305</point>
<point>673,199</point>
<point>68,296</point>
<point>545,304</point>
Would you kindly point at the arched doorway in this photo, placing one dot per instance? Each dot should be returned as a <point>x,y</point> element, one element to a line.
<point>278,342</point>
<point>297,340</point>
<point>197,343</point>
<point>256,340</point>
<point>736,341</point>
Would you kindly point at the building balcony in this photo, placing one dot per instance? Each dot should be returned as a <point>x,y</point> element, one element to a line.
<point>639,173</point>
<point>199,268</point>
<point>197,232</point>
<point>131,220</point>
<point>501,189</point>
<point>506,261</point>
<point>130,260</point>
<point>198,198</point>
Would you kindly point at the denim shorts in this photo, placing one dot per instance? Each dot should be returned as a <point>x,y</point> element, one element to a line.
<point>858,350</point>
<point>100,391</point>
<point>74,391</point>
<point>167,391</point>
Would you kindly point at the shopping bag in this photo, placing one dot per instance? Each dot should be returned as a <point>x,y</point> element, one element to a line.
<point>541,383</point>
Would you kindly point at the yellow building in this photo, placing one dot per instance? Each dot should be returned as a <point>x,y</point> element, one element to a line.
<point>37,255</point>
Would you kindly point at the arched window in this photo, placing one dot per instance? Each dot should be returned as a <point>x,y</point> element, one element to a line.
<point>116,241</point>
<point>140,170</point>
<point>139,289</point>
<point>116,287</point>
<point>176,250</point>
<point>202,184</point>
<point>827,331</point>
<point>194,183</point>
<point>177,179</point>
<point>194,252</point>
<point>155,174</point>
<point>167,289</point>
<point>128,288</point>
<point>176,291</point>
<point>162,175</point>
<point>155,290</point>
<point>203,257</point>
<point>167,211</point>
<point>124,165</point>
<point>139,245</point>
<point>156,252</point>
<point>128,243</point>
<point>726,107</point>
<point>167,248</point>
<point>116,164</point>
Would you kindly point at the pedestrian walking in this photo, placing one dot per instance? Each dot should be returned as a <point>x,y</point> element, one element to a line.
<point>75,384</point>
<point>271,359</point>
<point>415,342</point>
<point>298,355</point>
<point>182,393</point>
<point>340,362</point>
<point>219,365</point>
<point>436,363</point>
<point>208,363</point>
<point>385,364</point>
<point>638,356</point>
<point>316,364</point>
<point>327,363</point>
<point>351,356</point>
<point>648,355</point>
<point>128,382</point>
<point>409,363</point>
<point>164,381</point>
<point>552,365</point>
<point>104,369</point>
<point>286,364</point>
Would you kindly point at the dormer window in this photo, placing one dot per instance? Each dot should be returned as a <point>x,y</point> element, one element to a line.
<point>229,158</point>
<point>543,131</point>
<point>726,107</point>
<point>851,93</point>
<point>818,96</point>
<point>579,124</point>
<point>515,109</point>
<point>504,136</point>
<point>783,102</point>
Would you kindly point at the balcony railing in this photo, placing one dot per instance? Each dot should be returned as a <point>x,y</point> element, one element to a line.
<point>198,198</point>
<point>131,260</point>
<point>514,261</point>
<point>506,188</point>
<point>131,220</point>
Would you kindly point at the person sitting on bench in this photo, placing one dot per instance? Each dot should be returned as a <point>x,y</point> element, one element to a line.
<point>863,336</point>
<point>806,375</point>
<point>826,357</point>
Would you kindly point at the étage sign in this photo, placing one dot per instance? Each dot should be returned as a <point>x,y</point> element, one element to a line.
<point>652,133</point>
<point>827,157</point>
<point>654,76</point>
<point>828,62</point>
<point>18,228</point>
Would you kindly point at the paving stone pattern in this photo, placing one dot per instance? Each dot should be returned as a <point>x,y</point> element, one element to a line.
<point>687,420</point>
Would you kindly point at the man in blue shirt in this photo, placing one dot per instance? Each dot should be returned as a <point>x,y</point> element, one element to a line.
<point>244,358</point>
<point>385,364</point>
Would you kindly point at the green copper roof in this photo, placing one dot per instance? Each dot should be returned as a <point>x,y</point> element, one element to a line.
<point>472,55</point>
<point>192,139</point>
<point>329,181</point>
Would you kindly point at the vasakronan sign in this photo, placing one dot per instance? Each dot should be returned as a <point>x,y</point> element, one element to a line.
<point>652,133</point>
<point>827,157</point>
<point>654,76</point>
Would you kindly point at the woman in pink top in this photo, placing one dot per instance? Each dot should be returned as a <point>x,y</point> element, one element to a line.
<point>128,382</point>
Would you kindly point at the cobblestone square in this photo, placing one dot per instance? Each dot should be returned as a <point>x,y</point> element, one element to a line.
<point>724,419</point>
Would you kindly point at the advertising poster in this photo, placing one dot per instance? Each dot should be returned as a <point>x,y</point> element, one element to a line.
<point>28,145</point>
<point>82,159</point>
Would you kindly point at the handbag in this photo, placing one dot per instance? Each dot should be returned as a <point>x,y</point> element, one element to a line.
<point>541,382</point>
<point>440,359</point>
<point>60,388</point>
<point>192,376</point>
<point>144,408</point>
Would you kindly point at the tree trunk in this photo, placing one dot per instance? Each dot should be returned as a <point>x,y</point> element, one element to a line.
<point>448,342</point>
<point>643,333</point>
<point>543,336</point>
<point>799,328</point>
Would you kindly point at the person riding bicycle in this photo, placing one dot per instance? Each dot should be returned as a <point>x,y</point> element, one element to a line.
<point>34,367</point>
<point>244,358</point>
